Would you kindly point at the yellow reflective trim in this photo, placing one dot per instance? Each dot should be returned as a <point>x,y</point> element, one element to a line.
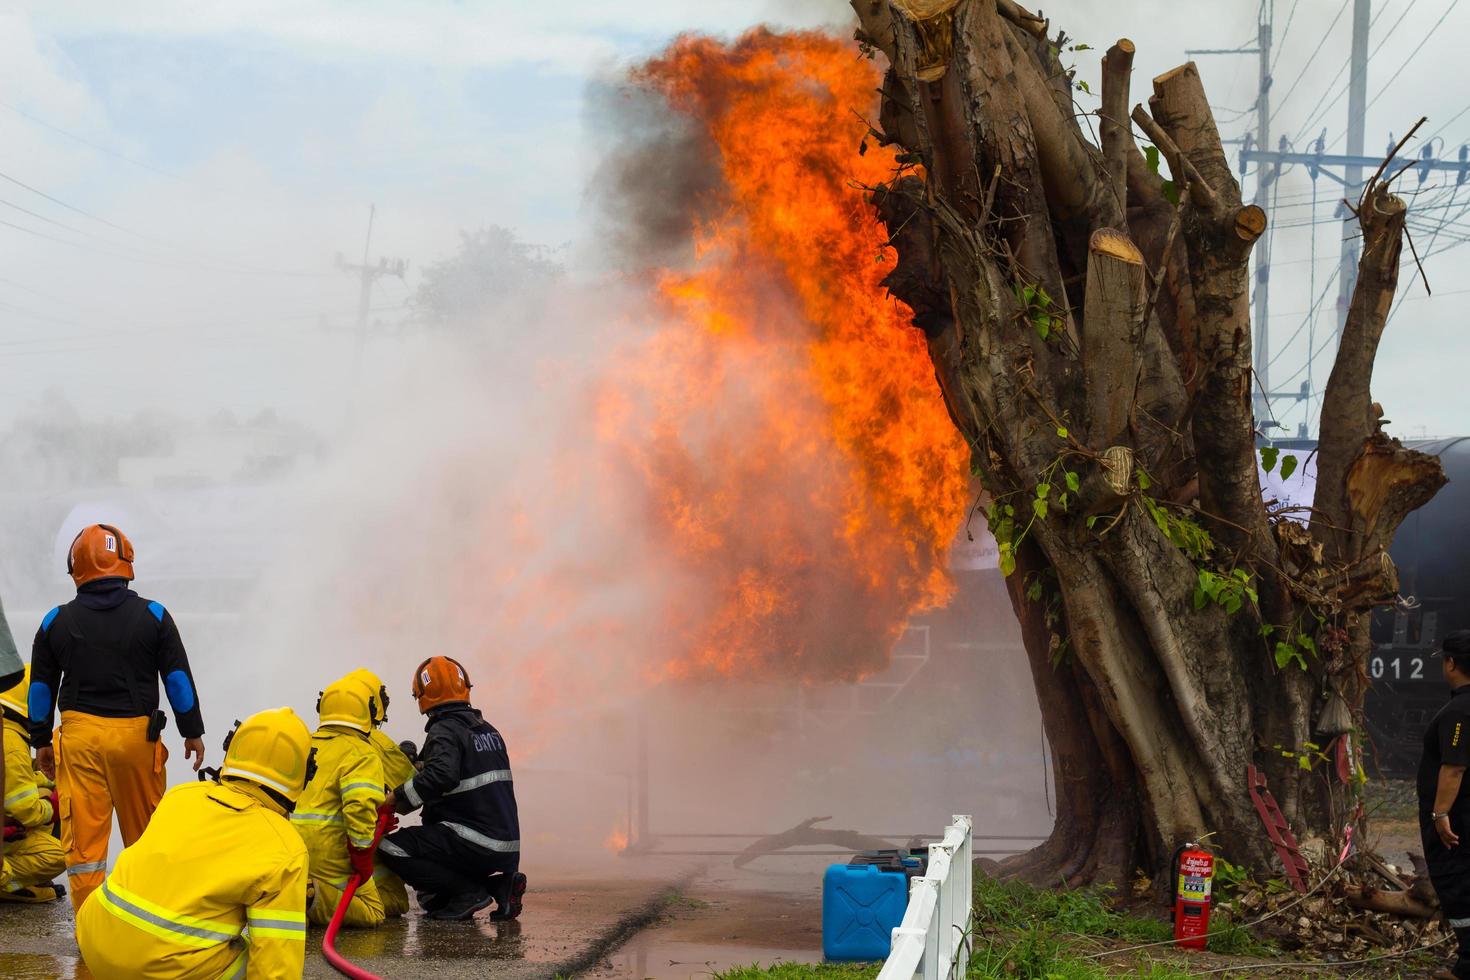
<point>284,915</point>
<point>188,921</point>
<point>152,929</point>
<point>258,932</point>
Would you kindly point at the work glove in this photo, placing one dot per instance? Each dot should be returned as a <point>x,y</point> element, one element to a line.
<point>362,862</point>
<point>387,819</point>
<point>55,802</point>
<point>13,830</point>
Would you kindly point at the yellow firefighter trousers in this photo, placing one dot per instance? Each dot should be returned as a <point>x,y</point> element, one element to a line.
<point>365,912</point>
<point>35,859</point>
<point>103,764</point>
<point>392,890</point>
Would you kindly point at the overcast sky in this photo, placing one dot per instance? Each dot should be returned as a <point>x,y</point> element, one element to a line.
<point>225,152</point>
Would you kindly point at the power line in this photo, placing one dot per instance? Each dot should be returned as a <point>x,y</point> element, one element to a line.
<point>1315,51</point>
<point>188,253</point>
<point>1407,61</point>
<point>1284,34</point>
<point>86,142</point>
<point>70,207</point>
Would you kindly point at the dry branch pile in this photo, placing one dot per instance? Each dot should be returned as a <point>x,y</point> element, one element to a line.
<point>1370,911</point>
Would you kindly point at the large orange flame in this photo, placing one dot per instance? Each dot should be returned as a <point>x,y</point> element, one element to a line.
<point>802,472</point>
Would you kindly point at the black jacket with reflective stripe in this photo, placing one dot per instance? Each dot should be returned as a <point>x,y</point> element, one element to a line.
<point>103,654</point>
<point>465,779</point>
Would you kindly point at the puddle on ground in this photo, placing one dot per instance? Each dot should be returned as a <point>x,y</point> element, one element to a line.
<point>651,957</point>
<point>37,966</point>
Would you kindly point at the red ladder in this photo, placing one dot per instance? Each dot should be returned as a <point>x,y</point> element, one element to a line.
<point>1278,830</point>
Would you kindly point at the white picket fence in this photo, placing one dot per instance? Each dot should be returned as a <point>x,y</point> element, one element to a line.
<point>933,941</point>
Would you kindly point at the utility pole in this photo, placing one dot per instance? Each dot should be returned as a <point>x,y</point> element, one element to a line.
<point>368,273</point>
<point>1265,177</point>
<point>1347,270</point>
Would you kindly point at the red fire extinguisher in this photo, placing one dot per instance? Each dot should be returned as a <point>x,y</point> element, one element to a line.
<point>1195,869</point>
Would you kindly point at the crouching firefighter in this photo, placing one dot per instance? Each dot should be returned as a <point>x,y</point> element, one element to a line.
<point>398,768</point>
<point>216,886</point>
<point>33,855</point>
<point>338,812</point>
<point>467,852</point>
<point>101,656</point>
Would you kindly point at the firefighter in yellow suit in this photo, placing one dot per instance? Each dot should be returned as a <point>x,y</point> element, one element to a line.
<point>216,886</point>
<point>338,812</point>
<point>33,856</point>
<point>398,769</point>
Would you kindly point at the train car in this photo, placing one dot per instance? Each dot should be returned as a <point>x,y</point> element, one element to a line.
<point>1432,552</point>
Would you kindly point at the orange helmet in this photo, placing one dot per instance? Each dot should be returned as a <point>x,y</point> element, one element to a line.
<point>99,551</point>
<point>440,680</point>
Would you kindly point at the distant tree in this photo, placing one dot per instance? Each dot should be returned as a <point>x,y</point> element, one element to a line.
<point>491,268</point>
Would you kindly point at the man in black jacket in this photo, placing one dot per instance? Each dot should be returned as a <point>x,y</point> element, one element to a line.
<point>100,657</point>
<point>1444,798</point>
<point>467,852</point>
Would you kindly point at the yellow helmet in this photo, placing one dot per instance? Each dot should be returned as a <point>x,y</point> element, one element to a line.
<point>375,687</point>
<point>349,703</point>
<point>272,748</point>
<point>15,698</point>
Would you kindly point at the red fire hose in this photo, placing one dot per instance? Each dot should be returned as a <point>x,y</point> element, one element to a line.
<point>329,942</point>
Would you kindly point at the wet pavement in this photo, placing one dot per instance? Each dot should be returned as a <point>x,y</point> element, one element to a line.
<point>657,918</point>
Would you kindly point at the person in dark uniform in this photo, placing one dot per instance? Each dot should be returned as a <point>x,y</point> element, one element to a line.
<point>467,853</point>
<point>100,658</point>
<point>1444,798</point>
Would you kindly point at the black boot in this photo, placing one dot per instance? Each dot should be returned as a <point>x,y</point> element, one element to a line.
<point>462,908</point>
<point>508,902</point>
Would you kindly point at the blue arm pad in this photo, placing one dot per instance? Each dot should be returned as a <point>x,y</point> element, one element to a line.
<point>38,701</point>
<point>180,692</point>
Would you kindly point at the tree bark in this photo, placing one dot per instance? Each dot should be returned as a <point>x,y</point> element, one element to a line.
<point>1090,332</point>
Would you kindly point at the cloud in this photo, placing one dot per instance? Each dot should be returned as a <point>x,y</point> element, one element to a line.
<point>569,34</point>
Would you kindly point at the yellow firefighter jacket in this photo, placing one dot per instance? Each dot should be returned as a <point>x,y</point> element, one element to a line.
<point>26,801</point>
<point>340,804</point>
<point>215,887</point>
<point>397,769</point>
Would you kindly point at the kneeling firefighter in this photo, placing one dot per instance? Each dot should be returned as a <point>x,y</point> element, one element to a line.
<point>33,855</point>
<point>467,853</point>
<point>398,768</point>
<point>338,812</point>
<point>101,657</point>
<point>216,886</point>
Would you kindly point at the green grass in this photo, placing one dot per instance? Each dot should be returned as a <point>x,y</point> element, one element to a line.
<point>1026,933</point>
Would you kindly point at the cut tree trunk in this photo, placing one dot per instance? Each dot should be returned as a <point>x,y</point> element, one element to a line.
<point>1089,325</point>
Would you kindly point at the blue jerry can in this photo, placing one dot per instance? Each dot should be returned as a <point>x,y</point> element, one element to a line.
<point>861,905</point>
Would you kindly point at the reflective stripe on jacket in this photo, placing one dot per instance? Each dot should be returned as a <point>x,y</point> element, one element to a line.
<point>26,802</point>
<point>215,887</point>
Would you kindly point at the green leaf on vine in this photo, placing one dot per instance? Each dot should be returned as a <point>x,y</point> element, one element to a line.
<point>1074,482</point>
<point>1151,157</point>
<point>1287,653</point>
<point>1268,457</point>
<point>1288,466</point>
